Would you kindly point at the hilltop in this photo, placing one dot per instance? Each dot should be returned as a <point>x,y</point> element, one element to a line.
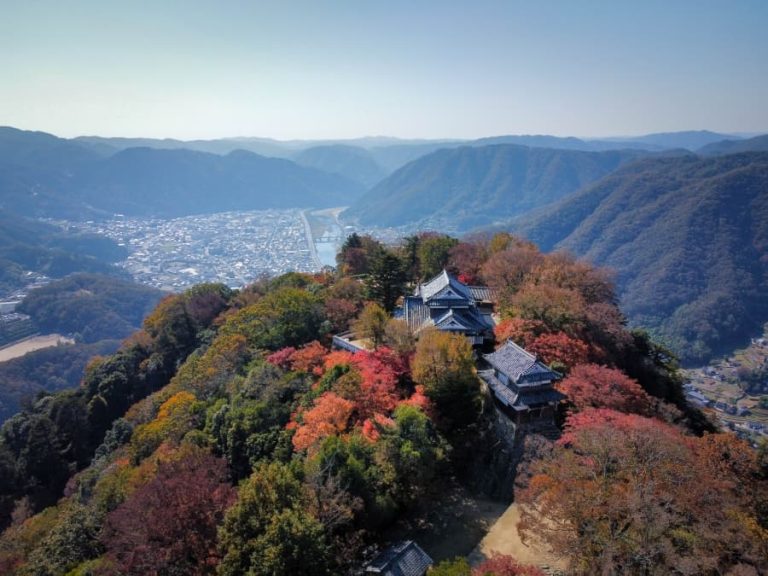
<point>225,437</point>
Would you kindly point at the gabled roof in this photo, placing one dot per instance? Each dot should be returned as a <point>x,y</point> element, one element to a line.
<point>452,321</point>
<point>519,365</point>
<point>401,559</point>
<point>443,284</point>
<point>462,319</point>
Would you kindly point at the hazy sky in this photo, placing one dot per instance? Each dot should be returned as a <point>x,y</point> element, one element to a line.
<point>411,68</point>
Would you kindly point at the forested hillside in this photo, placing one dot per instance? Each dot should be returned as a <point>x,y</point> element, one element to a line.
<point>468,187</point>
<point>688,239</point>
<point>28,245</point>
<point>145,181</point>
<point>226,438</point>
<point>47,370</point>
<point>97,311</point>
<point>90,306</point>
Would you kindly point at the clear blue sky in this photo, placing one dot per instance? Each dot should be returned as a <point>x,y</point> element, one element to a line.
<point>410,68</point>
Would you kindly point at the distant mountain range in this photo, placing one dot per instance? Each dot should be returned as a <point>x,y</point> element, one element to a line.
<point>690,140</point>
<point>680,217</point>
<point>41,175</point>
<point>688,239</point>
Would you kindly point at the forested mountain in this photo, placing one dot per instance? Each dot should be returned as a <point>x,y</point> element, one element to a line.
<point>468,187</point>
<point>354,163</point>
<point>688,238</point>
<point>145,181</point>
<point>756,144</point>
<point>394,156</point>
<point>35,168</point>
<point>226,438</point>
<point>90,306</point>
<point>29,245</point>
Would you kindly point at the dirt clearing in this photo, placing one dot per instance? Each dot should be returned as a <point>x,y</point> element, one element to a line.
<point>32,344</point>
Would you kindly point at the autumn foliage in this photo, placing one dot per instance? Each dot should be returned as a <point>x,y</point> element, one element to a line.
<point>643,497</point>
<point>502,565</point>
<point>521,331</point>
<point>593,386</point>
<point>496,565</point>
<point>170,523</point>
<point>308,358</point>
<point>444,367</point>
<point>559,350</point>
<point>135,471</point>
<point>329,415</point>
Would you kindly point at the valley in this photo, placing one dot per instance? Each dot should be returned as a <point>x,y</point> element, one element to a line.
<point>235,248</point>
<point>733,390</point>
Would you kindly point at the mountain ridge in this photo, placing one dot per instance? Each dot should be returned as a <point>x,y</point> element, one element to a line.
<point>688,239</point>
<point>755,144</point>
<point>470,186</point>
<point>45,176</point>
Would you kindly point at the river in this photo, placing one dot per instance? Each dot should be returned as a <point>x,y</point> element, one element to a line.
<point>327,234</point>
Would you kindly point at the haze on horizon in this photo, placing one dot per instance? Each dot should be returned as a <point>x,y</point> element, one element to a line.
<point>342,69</point>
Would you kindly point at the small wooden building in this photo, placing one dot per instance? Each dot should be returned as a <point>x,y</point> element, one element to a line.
<point>520,384</point>
<point>401,559</point>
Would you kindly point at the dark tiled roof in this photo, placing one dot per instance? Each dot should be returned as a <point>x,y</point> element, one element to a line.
<point>469,319</point>
<point>439,283</point>
<point>521,366</point>
<point>448,304</point>
<point>401,559</point>
<point>482,293</point>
